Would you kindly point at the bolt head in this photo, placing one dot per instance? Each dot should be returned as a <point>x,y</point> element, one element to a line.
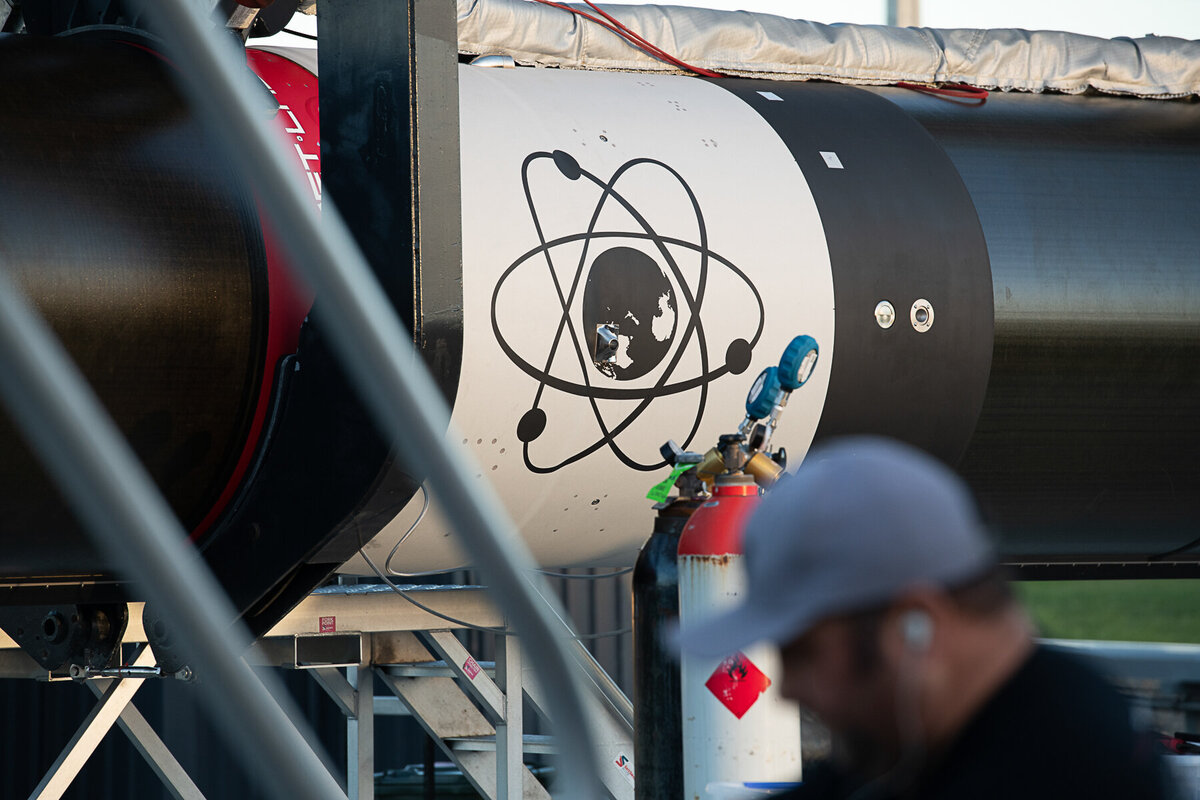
<point>885,314</point>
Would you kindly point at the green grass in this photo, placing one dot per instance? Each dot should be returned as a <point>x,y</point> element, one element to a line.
<point>1131,611</point>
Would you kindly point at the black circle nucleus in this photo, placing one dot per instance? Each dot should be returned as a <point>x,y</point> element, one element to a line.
<point>628,291</point>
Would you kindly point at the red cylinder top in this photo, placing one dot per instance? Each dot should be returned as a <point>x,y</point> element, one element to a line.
<point>716,527</point>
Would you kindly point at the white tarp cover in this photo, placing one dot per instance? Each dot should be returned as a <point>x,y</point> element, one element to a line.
<point>767,46</point>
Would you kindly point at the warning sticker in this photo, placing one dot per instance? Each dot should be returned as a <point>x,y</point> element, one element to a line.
<point>737,683</point>
<point>327,625</point>
<point>471,667</point>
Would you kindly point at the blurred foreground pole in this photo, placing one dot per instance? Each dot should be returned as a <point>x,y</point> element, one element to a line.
<point>371,340</point>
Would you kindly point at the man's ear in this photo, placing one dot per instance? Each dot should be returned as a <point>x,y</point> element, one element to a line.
<point>916,630</point>
<point>912,622</point>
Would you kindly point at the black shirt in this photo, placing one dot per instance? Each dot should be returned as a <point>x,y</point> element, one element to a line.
<point>1056,729</point>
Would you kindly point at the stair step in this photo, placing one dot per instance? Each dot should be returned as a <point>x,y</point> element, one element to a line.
<point>486,744</point>
<point>434,669</point>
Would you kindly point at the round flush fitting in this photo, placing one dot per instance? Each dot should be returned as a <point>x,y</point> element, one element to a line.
<point>885,314</point>
<point>921,316</point>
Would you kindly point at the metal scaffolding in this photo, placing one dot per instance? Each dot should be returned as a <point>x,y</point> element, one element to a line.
<point>473,710</point>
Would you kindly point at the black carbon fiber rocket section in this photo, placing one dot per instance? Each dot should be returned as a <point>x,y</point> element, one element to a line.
<point>900,227</point>
<point>119,219</point>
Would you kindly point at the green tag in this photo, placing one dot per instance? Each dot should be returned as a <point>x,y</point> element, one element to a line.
<point>661,491</point>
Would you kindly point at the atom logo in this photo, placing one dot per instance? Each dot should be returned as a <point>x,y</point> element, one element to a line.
<point>640,265</point>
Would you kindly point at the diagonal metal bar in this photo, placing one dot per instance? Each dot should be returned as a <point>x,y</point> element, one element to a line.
<point>90,733</point>
<point>379,354</point>
<point>340,690</point>
<point>133,526</point>
<point>157,754</point>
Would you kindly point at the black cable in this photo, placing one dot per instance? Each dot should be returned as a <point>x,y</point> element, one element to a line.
<point>591,577</point>
<point>484,628</point>
<point>379,573</point>
<point>301,35</point>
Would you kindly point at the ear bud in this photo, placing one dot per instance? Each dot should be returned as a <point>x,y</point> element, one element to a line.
<point>917,629</point>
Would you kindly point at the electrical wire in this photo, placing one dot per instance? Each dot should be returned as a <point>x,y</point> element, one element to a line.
<point>471,626</point>
<point>950,91</point>
<point>387,568</point>
<point>592,577</point>
<point>387,564</point>
<point>301,35</point>
<point>633,39</point>
<point>485,628</point>
<point>955,92</point>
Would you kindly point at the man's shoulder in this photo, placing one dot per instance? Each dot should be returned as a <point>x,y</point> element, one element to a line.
<point>1065,695</point>
<point>1056,729</point>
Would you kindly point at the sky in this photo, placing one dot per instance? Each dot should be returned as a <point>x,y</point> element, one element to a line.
<point>1105,18</point>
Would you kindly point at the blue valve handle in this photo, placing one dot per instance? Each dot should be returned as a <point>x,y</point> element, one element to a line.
<point>764,394</point>
<point>793,369</point>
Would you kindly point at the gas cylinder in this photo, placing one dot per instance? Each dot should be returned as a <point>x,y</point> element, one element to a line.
<point>736,727</point>
<point>657,745</point>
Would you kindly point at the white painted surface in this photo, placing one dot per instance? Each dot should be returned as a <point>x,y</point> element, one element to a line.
<point>718,747</point>
<point>759,216</point>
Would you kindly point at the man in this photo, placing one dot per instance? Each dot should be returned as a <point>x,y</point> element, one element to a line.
<point>871,569</point>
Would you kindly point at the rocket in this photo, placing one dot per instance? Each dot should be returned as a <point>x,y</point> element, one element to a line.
<point>1011,285</point>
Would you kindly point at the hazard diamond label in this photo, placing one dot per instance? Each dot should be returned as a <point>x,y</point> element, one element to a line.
<point>737,683</point>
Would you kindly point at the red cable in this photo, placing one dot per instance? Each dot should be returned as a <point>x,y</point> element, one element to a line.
<point>949,90</point>
<point>631,38</point>
<point>656,49</point>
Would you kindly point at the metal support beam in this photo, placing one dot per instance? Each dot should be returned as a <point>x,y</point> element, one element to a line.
<point>152,748</point>
<point>337,686</point>
<point>90,733</point>
<point>510,755</point>
<point>360,735</point>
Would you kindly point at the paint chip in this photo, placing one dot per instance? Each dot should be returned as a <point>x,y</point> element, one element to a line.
<point>772,96</point>
<point>831,160</point>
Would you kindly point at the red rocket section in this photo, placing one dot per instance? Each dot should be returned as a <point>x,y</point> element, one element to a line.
<point>289,300</point>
